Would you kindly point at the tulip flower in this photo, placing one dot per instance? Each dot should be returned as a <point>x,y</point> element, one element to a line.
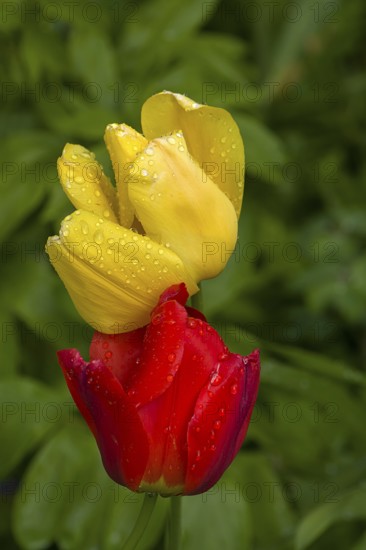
<point>168,404</point>
<point>177,199</point>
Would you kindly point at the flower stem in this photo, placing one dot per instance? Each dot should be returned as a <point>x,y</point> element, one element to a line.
<point>142,521</point>
<point>174,526</point>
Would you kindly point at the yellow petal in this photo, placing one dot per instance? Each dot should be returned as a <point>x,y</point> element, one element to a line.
<point>212,136</point>
<point>177,203</point>
<point>85,183</point>
<point>113,275</point>
<point>123,144</point>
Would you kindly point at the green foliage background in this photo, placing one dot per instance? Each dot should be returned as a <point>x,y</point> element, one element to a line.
<point>293,76</point>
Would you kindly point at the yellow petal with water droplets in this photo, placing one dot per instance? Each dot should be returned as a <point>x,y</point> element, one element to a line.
<point>85,183</point>
<point>178,203</point>
<point>213,138</point>
<point>113,275</point>
<point>123,144</point>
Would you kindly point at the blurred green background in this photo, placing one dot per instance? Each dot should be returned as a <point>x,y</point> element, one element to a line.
<point>293,76</point>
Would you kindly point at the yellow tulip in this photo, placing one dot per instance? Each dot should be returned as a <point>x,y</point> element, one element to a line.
<point>178,194</point>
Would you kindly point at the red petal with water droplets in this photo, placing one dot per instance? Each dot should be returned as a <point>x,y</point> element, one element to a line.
<point>192,312</point>
<point>120,435</point>
<point>162,353</point>
<point>179,293</point>
<point>203,349</point>
<point>167,418</point>
<point>72,365</point>
<point>220,420</point>
<point>118,352</point>
<point>112,418</point>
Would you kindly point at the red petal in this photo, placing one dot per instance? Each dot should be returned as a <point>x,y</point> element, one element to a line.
<point>120,435</point>
<point>220,420</point>
<point>203,351</point>
<point>72,365</point>
<point>179,293</point>
<point>195,313</point>
<point>118,352</point>
<point>162,353</point>
<point>167,417</point>
<point>111,417</point>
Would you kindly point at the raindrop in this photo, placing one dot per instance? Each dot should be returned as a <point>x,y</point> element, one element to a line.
<point>216,379</point>
<point>171,357</point>
<point>97,193</point>
<point>171,140</point>
<point>149,151</point>
<point>144,173</point>
<point>98,237</point>
<point>156,319</point>
<point>79,179</point>
<point>217,425</point>
<point>108,354</point>
<point>234,389</point>
<point>169,378</point>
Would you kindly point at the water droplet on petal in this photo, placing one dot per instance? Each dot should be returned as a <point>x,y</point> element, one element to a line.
<point>79,179</point>
<point>234,389</point>
<point>98,237</point>
<point>217,425</point>
<point>216,379</point>
<point>169,378</point>
<point>171,357</point>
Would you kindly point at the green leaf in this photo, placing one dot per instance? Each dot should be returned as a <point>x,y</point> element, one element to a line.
<point>76,504</point>
<point>264,150</point>
<point>9,345</point>
<point>26,419</point>
<point>218,518</point>
<point>351,507</point>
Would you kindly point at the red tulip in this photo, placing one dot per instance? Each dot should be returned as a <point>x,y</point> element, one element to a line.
<point>168,404</point>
